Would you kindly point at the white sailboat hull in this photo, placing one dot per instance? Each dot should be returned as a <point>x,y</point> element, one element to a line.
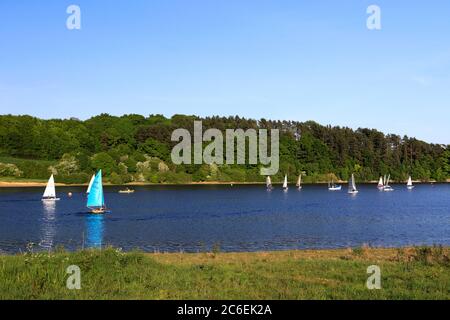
<point>339,188</point>
<point>50,199</point>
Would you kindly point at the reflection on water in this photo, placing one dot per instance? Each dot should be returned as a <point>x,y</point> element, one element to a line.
<point>242,218</point>
<point>94,230</point>
<point>48,228</point>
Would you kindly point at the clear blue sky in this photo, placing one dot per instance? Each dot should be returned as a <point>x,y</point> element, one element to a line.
<point>279,59</point>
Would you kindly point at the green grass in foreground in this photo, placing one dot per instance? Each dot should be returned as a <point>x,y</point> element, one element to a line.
<point>416,273</point>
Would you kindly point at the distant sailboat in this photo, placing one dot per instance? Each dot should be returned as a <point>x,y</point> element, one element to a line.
<point>352,186</point>
<point>410,185</point>
<point>128,191</point>
<point>381,184</point>
<point>90,184</point>
<point>299,182</point>
<point>96,200</point>
<point>269,183</point>
<point>387,187</point>
<point>334,187</point>
<point>285,183</point>
<point>50,192</point>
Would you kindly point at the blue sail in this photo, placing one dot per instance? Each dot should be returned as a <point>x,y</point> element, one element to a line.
<point>95,198</point>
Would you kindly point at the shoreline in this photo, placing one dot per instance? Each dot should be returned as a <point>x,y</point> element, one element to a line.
<point>311,253</point>
<point>37,184</point>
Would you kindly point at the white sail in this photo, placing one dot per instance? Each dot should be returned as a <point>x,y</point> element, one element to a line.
<point>381,183</point>
<point>299,181</point>
<point>90,184</point>
<point>285,184</point>
<point>409,184</point>
<point>50,191</point>
<point>387,187</point>
<point>268,182</point>
<point>352,185</point>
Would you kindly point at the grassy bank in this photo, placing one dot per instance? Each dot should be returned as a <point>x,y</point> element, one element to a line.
<point>416,273</point>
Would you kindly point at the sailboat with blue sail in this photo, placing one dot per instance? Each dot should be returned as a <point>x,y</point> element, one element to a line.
<point>96,199</point>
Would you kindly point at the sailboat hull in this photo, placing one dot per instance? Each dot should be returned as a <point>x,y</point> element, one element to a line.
<point>50,199</point>
<point>98,211</point>
<point>410,187</point>
<point>126,191</point>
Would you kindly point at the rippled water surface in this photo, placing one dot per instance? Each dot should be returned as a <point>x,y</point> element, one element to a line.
<point>239,218</point>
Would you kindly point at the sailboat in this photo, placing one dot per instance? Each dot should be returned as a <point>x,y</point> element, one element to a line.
<point>96,200</point>
<point>387,187</point>
<point>352,186</point>
<point>334,187</point>
<point>299,182</point>
<point>285,183</point>
<point>90,184</point>
<point>50,192</point>
<point>381,184</point>
<point>269,183</point>
<point>410,185</point>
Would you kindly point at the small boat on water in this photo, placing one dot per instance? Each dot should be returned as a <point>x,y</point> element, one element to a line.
<point>269,183</point>
<point>299,182</point>
<point>380,185</point>
<point>285,184</point>
<point>334,187</point>
<point>387,187</point>
<point>127,190</point>
<point>352,186</point>
<point>409,184</point>
<point>96,199</point>
<point>90,184</point>
<point>50,191</point>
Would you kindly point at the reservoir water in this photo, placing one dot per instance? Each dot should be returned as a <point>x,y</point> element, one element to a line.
<point>239,218</point>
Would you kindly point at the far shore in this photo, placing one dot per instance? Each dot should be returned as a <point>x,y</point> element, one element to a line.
<point>37,183</point>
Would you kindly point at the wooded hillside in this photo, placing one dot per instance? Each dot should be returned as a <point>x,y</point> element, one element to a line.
<point>137,148</point>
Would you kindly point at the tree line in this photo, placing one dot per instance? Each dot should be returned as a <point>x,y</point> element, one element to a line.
<point>137,148</point>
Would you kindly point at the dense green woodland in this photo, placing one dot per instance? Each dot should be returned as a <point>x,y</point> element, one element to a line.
<point>137,148</point>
